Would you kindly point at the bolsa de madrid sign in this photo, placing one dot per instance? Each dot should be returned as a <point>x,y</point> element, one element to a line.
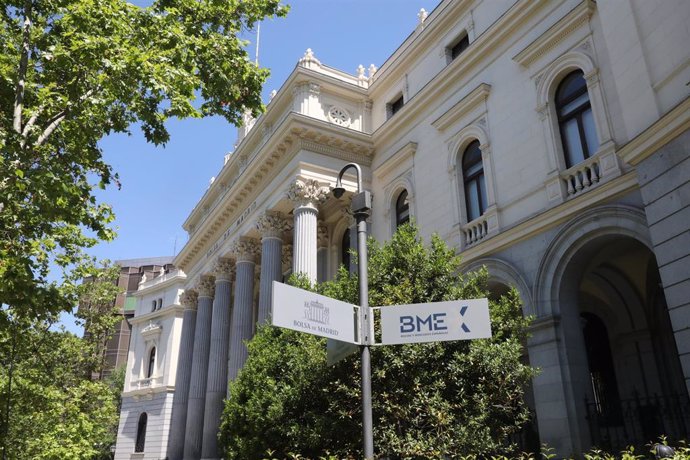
<point>304,311</point>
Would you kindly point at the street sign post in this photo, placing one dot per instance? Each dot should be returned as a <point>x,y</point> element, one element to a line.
<point>305,311</point>
<point>435,322</point>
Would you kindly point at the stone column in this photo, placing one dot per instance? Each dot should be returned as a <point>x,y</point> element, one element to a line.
<point>197,386</point>
<point>188,299</point>
<point>271,226</point>
<point>217,376</point>
<point>245,251</point>
<point>322,253</point>
<point>306,195</point>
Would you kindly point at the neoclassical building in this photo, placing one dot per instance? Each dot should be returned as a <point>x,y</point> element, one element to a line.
<point>546,140</point>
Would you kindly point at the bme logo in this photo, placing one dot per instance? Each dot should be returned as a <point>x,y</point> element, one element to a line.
<point>433,322</point>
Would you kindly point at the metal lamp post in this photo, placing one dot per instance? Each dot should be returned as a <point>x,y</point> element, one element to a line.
<point>361,204</point>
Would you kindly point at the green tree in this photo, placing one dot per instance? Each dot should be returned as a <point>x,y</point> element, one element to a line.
<point>430,400</point>
<point>73,71</point>
<point>49,406</point>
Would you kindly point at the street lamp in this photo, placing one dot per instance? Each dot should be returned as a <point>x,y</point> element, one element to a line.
<point>361,204</point>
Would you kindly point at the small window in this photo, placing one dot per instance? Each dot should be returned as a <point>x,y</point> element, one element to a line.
<point>402,209</point>
<point>153,305</point>
<point>394,106</point>
<point>141,433</point>
<point>473,178</point>
<point>160,304</point>
<point>575,119</point>
<point>345,249</point>
<point>152,363</point>
<point>459,47</point>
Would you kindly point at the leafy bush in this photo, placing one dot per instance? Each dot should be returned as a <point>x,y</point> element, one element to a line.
<point>429,400</point>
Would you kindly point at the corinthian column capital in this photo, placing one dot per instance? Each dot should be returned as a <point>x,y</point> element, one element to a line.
<point>189,299</point>
<point>272,225</point>
<point>206,286</point>
<point>245,249</point>
<point>307,192</point>
<point>224,269</point>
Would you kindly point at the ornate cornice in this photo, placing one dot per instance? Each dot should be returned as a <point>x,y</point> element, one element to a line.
<point>224,269</point>
<point>475,97</point>
<point>206,287</point>
<point>272,225</point>
<point>189,299</point>
<point>555,34</point>
<point>246,249</point>
<point>307,192</point>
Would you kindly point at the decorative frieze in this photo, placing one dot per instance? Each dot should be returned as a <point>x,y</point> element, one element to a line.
<point>189,299</point>
<point>206,286</point>
<point>272,225</point>
<point>307,192</point>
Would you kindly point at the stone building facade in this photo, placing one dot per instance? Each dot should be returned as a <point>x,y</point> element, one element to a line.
<point>161,305</point>
<point>546,140</point>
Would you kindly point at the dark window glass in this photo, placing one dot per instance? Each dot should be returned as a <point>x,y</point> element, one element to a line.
<point>459,47</point>
<point>575,119</point>
<point>153,305</point>
<point>160,303</point>
<point>141,433</point>
<point>152,363</point>
<point>345,249</point>
<point>397,105</point>
<point>402,209</point>
<point>473,178</point>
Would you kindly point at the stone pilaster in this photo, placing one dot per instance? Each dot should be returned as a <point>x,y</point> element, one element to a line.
<point>217,375</point>
<point>321,252</point>
<point>189,300</point>
<point>245,251</point>
<point>197,385</point>
<point>271,226</point>
<point>306,196</point>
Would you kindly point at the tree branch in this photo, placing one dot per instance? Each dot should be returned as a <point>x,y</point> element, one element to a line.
<point>29,125</point>
<point>54,122</point>
<point>23,64</point>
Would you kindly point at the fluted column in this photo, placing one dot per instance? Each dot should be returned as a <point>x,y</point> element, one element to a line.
<point>322,253</point>
<point>197,386</point>
<point>306,195</point>
<point>188,299</point>
<point>271,226</point>
<point>217,376</point>
<point>245,251</point>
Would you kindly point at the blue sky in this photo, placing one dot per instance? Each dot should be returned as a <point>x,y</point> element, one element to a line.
<point>160,186</point>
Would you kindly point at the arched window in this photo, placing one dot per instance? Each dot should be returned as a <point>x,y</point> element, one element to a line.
<point>160,304</point>
<point>153,305</point>
<point>152,363</point>
<point>345,249</point>
<point>575,119</point>
<point>141,433</point>
<point>473,178</point>
<point>402,209</point>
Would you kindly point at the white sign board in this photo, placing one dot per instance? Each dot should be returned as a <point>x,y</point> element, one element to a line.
<point>305,311</point>
<point>435,322</point>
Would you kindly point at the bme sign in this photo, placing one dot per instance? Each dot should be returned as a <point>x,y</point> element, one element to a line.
<point>435,322</point>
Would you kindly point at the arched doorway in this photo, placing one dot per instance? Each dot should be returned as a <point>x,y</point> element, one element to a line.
<point>614,310</point>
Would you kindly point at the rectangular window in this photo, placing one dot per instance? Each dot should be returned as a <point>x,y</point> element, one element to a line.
<point>459,47</point>
<point>394,106</point>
